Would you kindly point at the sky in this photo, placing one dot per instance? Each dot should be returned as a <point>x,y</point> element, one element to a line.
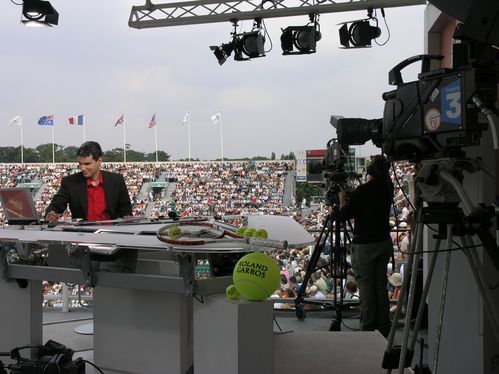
<point>93,63</point>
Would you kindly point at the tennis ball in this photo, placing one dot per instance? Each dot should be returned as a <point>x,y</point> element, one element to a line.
<point>261,233</point>
<point>249,232</point>
<point>240,231</point>
<point>256,276</point>
<point>174,232</point>
<point>231,292</point>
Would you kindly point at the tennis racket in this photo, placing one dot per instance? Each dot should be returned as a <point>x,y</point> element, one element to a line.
<point>200,233</point>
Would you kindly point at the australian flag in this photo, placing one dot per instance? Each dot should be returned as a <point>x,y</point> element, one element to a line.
<point>46,121</point>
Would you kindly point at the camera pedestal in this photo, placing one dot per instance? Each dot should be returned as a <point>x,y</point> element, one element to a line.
<point>449,207</point>
<point>233,336</point>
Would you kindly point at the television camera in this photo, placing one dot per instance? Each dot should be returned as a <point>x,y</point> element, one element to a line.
<point>51,358</point>
<point>434,118</point>
<point>338,172</point>
<point>438,115</point>
<point>431,121</point>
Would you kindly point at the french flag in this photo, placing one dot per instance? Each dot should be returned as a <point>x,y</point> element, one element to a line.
<point>76,120</point>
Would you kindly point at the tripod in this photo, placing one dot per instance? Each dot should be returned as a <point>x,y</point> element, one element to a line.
<point>440,185</point>
<point>333,228</point>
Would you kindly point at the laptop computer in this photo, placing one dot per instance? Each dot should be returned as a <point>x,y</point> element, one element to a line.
<point>18,206</point>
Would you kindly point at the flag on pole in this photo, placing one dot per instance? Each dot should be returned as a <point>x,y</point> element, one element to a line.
<point>216,118</point>
<point>152,122</point>
<point>16,121</point>
<point>46,120</point>
<point>186,119</point>
<point>120,120</point>
<point>76,120</point>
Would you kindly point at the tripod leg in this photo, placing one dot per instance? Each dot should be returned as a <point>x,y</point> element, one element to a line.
<point>392,357</point>
<point>410,303</point>
<point>443,293</point>
<point>319,246</point>
<point>426,289</point>
<point>405,284</point>
<point>337,266</point>
<point>489,245</point>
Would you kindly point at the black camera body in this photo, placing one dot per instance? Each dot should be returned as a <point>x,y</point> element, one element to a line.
<point>433,117</point>
<point>336,175</point>
<point>335,161</point>
<point>436,116</point>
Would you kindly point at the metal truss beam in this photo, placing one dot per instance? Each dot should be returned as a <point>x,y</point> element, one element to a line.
<point>211,11</point>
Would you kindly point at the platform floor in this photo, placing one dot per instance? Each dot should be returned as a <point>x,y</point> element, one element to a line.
<point>299,346</point>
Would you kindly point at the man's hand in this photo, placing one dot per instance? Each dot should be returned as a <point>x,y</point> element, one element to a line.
<point>52,216</point>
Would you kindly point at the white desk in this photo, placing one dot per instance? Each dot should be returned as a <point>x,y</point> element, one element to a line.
<point>143,318</point>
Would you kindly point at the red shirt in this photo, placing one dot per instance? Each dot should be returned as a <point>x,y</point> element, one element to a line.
<point>97,207</point>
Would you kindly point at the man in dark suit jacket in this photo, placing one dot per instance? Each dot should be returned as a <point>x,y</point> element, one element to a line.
<point>92,194</point>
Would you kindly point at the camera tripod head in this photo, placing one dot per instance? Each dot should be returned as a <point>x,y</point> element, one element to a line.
<point>440,185</point>
<point>441,180</point>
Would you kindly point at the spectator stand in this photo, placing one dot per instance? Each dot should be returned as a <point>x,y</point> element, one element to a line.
<point>230,189</point>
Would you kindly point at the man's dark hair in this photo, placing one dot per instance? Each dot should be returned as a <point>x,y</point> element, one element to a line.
<point>90,149</point>
<point>379,167</point>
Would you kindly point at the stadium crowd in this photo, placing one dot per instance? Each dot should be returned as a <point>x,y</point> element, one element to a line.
<point>231,188</point>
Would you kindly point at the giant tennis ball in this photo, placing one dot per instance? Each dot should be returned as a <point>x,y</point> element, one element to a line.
<point>256,276</point>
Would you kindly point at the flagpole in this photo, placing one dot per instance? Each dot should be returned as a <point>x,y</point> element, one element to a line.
<point>221,139</point>
<point>124,139</point>
<point>22,142</point>
<point>53,146</point>
<point>84,125</point>
<point>189,134</point>
<point>156,141</point>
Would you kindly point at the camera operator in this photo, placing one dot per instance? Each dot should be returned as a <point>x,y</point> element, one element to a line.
<point>369,206</point>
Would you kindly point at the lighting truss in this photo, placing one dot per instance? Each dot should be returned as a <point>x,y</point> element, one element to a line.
<point>212,11</point>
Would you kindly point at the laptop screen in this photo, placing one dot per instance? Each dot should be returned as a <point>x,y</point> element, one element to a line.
<point>18,206</point>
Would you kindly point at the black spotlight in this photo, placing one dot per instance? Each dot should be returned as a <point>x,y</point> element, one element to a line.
<point>252,44</point>
<point>39,13</point>
<point>303,38</point>
<point>359,34</point>
<point>222,52</point>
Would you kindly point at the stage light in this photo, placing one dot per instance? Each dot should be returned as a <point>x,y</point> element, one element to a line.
<point>39,13</point>
<point>250,44</point>
<point>222,52</point>
<point>359,34</point>
<point>303,38</point>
